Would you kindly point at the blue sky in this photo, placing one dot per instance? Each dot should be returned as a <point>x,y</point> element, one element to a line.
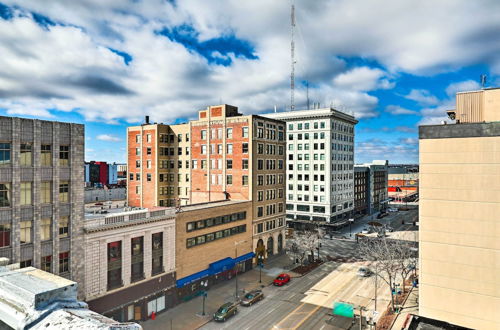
<point>107,64</point>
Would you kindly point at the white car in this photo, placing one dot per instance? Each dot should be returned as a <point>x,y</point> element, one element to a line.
<point>365,231</point>
<point>392,210</point>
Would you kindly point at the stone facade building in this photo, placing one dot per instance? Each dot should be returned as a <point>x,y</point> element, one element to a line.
<point>41,195</point>
<point>130,262</point>
<point>376,185</point>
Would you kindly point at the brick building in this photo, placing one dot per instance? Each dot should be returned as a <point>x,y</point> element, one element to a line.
<point>376,174</point>
<point>361,190</point>
<point>41,194</point>
<point>221,155</point>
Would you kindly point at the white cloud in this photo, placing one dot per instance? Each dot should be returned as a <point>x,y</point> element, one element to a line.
<point>468,85</point>
<point>422,97</point>
<point>108,137</point>
<point>397,110</point>
<point>70,67</point>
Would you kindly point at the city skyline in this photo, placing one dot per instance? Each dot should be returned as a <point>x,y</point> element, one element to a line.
<point>169,59</point>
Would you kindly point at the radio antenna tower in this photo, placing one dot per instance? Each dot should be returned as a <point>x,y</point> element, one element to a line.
<point>292,53</point>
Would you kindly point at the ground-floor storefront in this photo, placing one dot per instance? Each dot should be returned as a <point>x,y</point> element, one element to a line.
<point>138,302</point>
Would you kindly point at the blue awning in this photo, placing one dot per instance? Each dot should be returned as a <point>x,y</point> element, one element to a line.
<point>192,278</point>
<point>244,257</point>
<point>221,265</point>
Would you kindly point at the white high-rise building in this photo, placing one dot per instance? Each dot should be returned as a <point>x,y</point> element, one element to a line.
<point>320,164</point>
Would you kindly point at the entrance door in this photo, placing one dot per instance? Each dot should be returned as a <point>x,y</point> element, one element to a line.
<point>137,313</point>
<point>270,246</point>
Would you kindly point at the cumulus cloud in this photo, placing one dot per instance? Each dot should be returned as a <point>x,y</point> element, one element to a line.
<point>462,86</point>
<point>400,151</point>
<point>107,60</point>
<point>422,97</point>
<point>397,110</point>
<point>108,137</point>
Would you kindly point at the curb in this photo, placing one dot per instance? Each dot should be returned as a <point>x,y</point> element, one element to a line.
<point>404,302</point>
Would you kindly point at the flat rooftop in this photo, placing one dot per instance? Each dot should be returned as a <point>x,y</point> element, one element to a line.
<point>207,205</point>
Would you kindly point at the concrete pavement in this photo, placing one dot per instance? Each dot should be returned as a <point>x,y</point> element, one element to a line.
<point>409,307</point>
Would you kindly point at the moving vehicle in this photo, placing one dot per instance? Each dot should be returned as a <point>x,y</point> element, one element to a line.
<point>364,272</point>
<point>225,311</point>
<point>365,231</point>
<point>252,297</point>
<point>281,280</point>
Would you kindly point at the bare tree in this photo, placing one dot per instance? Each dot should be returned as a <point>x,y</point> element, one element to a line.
<point>407,259</point>
<point>304,242</point>
<point>294,246</point>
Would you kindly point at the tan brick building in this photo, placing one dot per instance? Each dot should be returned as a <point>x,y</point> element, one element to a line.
<point>460,214</point>
<point>222,155</point>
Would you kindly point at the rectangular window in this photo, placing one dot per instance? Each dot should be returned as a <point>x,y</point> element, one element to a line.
<point>63,155</point>
<point>244,148</point>
<point>229,149</point>
<point>26,154</point>
<point>157,253</point>
<point>5,153</point>
<point>137,151</point>
<point>203,149</point>
<point>63,262</point>
<point>244,132</point>
<point>46,155</point>
<point>26,231</point>
<point>260,148</point>
<point>137,264</point>
<point>5,234</point>
<point>63,226</point>
<point>26,193</point>
<point>203,134</point>
<point>148,151</point>
<point>46,264</point>
<point>244,180</point>
<point>244,164</point>
<point>64,191</point>
<point>148,177</point>
<point>229,133</point>
<point>229,179</point>
<point>260,211</point>
<point>148,164</point>
<point>46,229</point>
<point>137,138</point>
<point>4,194</point>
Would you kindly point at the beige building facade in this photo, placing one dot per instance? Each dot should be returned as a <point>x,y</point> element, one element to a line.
<point>460,222</point>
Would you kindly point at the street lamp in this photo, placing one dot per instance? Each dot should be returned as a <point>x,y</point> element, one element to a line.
<point>350,223</point>
<point>260,259</point>
<point>204,284</point>
<point>236,266</point>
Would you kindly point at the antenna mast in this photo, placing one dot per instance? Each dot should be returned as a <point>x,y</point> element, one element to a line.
<point>292,52</point>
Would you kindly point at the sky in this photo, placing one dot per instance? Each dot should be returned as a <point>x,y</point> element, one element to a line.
<point>394,64</point>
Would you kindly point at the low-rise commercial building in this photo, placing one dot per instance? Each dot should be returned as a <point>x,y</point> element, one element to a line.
<point>129,262</point>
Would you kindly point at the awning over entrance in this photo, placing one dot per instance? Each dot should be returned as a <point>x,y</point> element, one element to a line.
<point>192,278</point>
<point>244,257</point>
<point>221,265</point>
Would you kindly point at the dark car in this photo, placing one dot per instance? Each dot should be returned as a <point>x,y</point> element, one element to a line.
<point>225,311</point>
<point>381,215</point>
<point>252,297</point>
<point>281,280</point>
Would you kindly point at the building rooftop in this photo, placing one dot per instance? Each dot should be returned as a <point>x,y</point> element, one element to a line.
<point>299,114</point>
<point>32,298</point>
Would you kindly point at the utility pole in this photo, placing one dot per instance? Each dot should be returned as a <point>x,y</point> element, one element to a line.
<point>236,267</point>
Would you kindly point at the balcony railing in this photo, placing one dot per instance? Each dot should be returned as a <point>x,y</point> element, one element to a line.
<point>127,217</point>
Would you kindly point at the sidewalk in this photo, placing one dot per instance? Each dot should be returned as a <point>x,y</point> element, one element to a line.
<point>188,315</point>
<point>409,307</point>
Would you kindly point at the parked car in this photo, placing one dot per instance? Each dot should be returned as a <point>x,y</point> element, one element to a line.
<point>392,209</point>
<point>381,215</point>
<point>281,280</point>
<point>252,297</point>
<point>364,272</point>
<point>225,311</point>
<point>365,231</point>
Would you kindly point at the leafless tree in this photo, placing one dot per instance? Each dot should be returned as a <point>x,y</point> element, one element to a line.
<point>294,247</point>
<point>407,259</point>
<point>303,242</point>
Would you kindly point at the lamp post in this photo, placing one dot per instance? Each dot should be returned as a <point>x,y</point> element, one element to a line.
<point>204,284</point>
<point>350,223</point>
<point>260,259</point>
<point>236,266</point>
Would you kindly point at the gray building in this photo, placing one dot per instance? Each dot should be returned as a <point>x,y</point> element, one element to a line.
<point>320,160</point>
<point>374,176</point>
<point>41,195</point>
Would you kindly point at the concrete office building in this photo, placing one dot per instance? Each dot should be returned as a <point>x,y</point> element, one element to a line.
<point>130,262</point>
<point>320,160</point>
<point>459,214</point>
<point>375,178</point>
<point>221,155</point>
<point>41,195</point>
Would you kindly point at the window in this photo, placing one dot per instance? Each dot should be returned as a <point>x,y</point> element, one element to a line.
<point>138,164</point>
<point>195,164</point>
<point>260,211</point>
<point>26,155</point>
<point>148,164</point>
<point>244,180</point>
<point>148,177</point>
<point>203,149</point>
<point>203,134</point>
<point>244,164</point>
<point>4,194</point>
<point>63,262</point>
<point>46,155</point>
<point>64,191</point>
<point>26,236</point>
<point>4,153</point>
<point>229,149</point>
<point>244,148</point>
<point>229,179</point>
<point>157,253</point>
<point>137,176</point>
<point>260,148</point>
<point>63,226</point>
<point>114,265</point>
<point>25,263</point>
<point>26,193</point>
<point>137,138</point>
<point>46,264</point>
<point>4,234</point>
<point>260,195</point>
<point>64,155</point>
<point>229,133</point>
<point>148,151</point>
<point>137,151</point>
<point>137,265</point>
<point>46,229</point>
<point>244,132</point>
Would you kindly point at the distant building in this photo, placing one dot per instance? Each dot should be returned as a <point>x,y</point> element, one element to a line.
<point>320,159</point>
<point>100,174</point>
<point>459,214</point>
<point>34,299</point>
<point>374,175</point>
<point>112,174</point>
<point>41,195</point>
<point>361,190</point>
<point>130,262</point>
